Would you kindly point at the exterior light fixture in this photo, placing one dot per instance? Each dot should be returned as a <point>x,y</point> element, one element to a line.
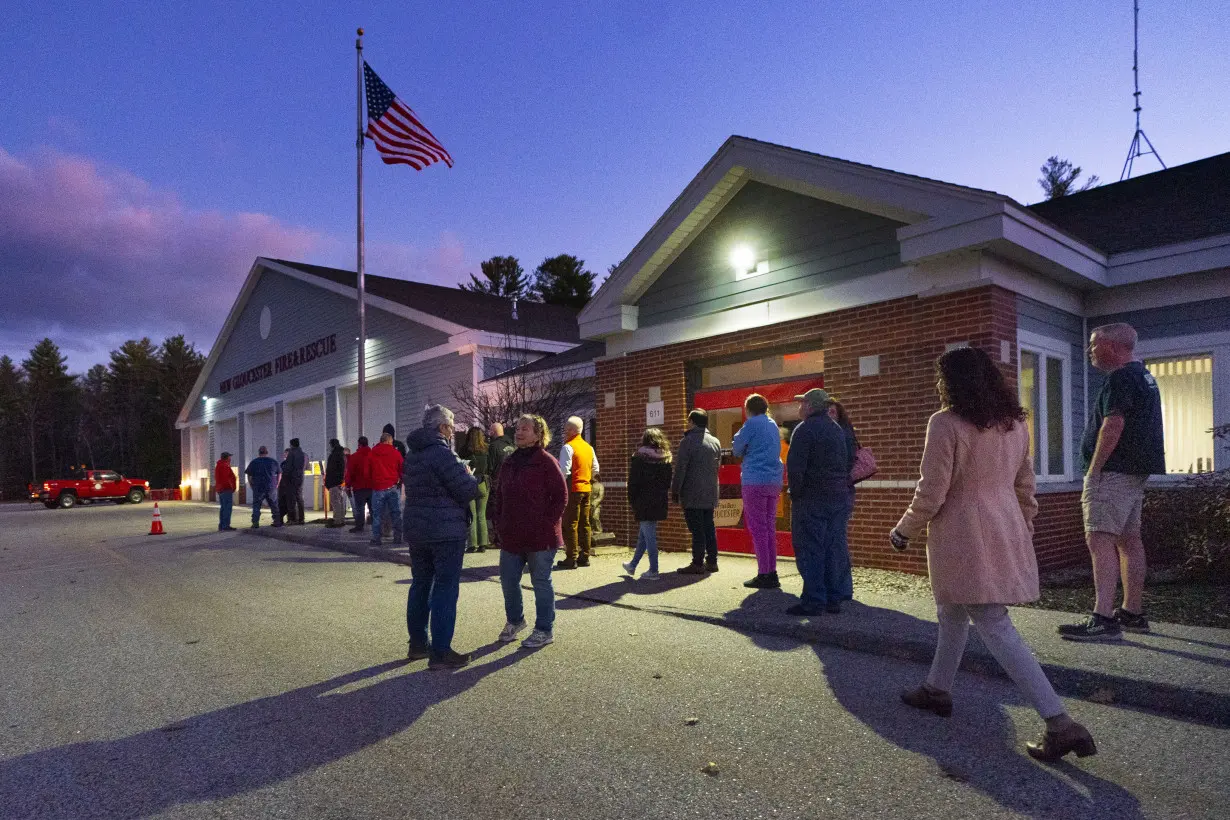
<point>743,258</point>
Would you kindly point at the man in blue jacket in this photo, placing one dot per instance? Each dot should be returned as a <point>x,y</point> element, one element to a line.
<point>262,473</point>
<point>439,488</point>
<point>818,466</point>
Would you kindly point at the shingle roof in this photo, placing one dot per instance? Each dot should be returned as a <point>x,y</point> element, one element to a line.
<point>478,311</point>
<point>1178,204</point>
<point>585,352</point>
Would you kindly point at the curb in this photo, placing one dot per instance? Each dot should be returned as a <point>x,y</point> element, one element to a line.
<point>1195,705</point>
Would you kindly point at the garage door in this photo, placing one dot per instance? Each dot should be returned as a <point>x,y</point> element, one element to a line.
<point>226,440</point>
<point>305,420</point>
<point>260,432</point>
<point>377,412</point>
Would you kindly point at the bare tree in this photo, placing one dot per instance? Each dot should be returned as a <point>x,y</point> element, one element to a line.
<point>555,394</point>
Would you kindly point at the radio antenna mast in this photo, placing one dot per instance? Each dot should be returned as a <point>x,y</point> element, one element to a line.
<point>1139,140</point>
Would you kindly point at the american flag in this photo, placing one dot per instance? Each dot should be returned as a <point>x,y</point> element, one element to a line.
<point>397,132</point>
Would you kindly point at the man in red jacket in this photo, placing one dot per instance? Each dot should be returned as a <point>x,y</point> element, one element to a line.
<point>224,484</point>
<point>359,479</point>
<point>386,463</point>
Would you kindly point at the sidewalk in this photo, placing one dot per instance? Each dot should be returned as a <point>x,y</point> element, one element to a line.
<point>1179,670</point>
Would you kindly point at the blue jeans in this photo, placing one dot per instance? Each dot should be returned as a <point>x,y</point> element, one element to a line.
<point>383,500</point>
<point>704,535</point>
<point>435,578</point>
<point>264,495</point>
<point>647,541</point>
<point>512,565</point>
<point>226,502</point>
<point>816,531</point>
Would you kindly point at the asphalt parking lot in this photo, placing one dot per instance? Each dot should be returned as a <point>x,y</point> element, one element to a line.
<point>201,674</point>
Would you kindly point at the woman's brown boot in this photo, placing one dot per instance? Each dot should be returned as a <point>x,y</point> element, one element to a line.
<point>928,699</point>
<point>1053,745</point>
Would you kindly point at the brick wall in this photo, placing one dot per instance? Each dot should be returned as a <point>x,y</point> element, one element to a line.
<point>890,410</point>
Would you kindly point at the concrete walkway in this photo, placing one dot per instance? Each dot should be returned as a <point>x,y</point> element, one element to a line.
<point>1178,670</point>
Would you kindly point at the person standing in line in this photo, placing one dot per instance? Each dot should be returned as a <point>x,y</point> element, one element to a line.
<point>439,489</point>
<point>401,448</point>
<point>284,503</point>
<point>649,485</point>
<point>1124,443</point>
<point>695,488</point>
<point>499,447</point>
<point>819,465</point>
<point>528,506</point>
<point>837,412</point>
<point>359,478</point>
<point>475,452</point>
<point>262,473</point>
<point>225,485</point>
<point>759,444</point>
<point>580,465</point>
<point>386,467</point>
<point>346,482</point>
<point>292,473</point>
<point>335,478</point>
<point>975,496</point>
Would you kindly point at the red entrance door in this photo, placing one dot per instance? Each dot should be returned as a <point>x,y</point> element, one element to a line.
<point>725,408</point>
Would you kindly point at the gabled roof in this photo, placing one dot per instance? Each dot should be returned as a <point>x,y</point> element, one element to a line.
<point>582,354</point>
<point>477,311</point>
<point>1179,204</point>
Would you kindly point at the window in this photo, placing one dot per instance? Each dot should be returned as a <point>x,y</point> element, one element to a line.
<point>1186,385</point>
<point>1044,384</point>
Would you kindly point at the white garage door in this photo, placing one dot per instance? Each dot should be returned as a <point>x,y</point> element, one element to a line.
<point>198,465</point>
<point>226,440</point>
<point>377,412</point>
<point>305,420</point>
<point>260,432</point>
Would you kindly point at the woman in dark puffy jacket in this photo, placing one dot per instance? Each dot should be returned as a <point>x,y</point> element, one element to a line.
<point>474,450</point>
<point>528,506</point>
<point>649,484</point>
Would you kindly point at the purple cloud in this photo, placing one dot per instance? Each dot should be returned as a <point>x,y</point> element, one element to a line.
<point>91,256</point>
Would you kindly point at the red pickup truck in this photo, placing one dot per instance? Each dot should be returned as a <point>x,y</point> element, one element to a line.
<point>93,485</point>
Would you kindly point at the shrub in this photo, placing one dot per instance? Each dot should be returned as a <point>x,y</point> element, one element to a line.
<point>1189,524</point>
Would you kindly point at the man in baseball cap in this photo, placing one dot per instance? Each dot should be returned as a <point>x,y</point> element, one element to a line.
<point>818,468</point>
<point>224,486</point>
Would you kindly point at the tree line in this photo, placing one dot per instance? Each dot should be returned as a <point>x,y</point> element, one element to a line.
<point>558,280</point>
<point>118,416</point>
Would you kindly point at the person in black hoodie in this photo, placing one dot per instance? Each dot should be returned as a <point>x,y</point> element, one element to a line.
<point>335,475</point>
<point>649,484</point>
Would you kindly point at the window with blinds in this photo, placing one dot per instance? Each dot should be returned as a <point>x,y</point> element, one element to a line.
<point>1186,385</point>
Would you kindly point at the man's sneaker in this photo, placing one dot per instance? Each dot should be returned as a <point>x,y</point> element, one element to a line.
<point>566,564</point>
<point>1095,628</point>
<point>650,575</point>
<point>537,638</point>
<point>1130,621</point>
<point>449,660</point>
<point>629,567</point>
<point>417,652</point>
<point>692,569</point>
<point>711,566</point>
<point>582,562</point>
<point>511,630</point>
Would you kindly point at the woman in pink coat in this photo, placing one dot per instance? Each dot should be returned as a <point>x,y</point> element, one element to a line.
<point>976,495</point>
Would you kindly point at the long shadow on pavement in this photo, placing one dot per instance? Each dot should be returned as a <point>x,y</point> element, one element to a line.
<point>977,746</point>
<point>612,592</point>
<point>230,751</point>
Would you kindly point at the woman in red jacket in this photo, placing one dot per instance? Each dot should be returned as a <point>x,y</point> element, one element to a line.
<point>528,506</point>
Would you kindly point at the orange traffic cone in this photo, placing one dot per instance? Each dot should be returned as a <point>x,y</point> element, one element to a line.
<point>155,528</point>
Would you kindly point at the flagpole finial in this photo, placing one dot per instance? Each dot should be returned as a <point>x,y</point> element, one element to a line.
<point>360,32</point>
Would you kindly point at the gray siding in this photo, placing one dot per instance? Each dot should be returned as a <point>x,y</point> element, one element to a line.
<point>1211,316</point>
<point>241,453</point>
<point>330,413</point>
<point>808,243</point>
<point>279,426</point>
<point>1053,323</point>
<point>302,314</point>
<point>213,448</point>
<point>429,382</point>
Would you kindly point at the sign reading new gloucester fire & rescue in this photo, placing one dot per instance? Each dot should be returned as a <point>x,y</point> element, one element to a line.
<point>287,361</point>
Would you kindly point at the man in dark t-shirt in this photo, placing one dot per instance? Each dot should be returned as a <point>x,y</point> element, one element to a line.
<point>1123,445</point>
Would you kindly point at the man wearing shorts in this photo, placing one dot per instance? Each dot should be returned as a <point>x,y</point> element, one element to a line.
<point>1121,448</point>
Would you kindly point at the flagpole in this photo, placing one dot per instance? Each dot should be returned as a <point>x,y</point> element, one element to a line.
<point>358,44</point>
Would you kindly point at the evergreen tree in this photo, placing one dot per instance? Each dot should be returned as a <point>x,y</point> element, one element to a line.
<point>563,280</point>
<point>50,410</point>
<point>1059,178</point>
<point>502,276</point>
<point>13,475</point>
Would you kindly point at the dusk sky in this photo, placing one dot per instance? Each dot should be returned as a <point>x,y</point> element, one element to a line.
<point>149,152</point>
